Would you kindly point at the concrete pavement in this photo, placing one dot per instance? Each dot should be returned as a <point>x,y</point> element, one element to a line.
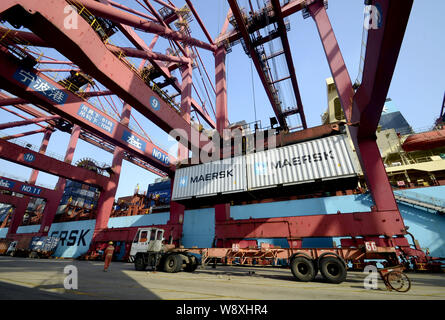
<point>23,278</point>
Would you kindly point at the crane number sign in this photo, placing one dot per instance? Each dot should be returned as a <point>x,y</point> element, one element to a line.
<point>370,246</point>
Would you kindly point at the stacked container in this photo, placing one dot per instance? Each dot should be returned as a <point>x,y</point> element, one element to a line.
<point>162,190</point>
<point>81,195</point>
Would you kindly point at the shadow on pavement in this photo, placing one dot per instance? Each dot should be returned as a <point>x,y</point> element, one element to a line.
<point>48,274</point>
<point>15,292</point>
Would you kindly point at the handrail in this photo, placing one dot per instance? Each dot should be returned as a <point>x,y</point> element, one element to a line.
<point>421,198</point>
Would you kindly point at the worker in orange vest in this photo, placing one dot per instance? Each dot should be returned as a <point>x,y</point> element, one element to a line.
<point>108,255</point>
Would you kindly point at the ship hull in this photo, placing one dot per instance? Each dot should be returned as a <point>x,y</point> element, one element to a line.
<point>199,224</point>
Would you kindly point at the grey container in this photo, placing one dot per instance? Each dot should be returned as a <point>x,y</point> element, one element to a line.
<point>311,161</point>
<point>222,176</point>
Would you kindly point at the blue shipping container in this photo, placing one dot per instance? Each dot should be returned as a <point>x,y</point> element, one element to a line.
<point>43,243</point>
<point>161,189</point>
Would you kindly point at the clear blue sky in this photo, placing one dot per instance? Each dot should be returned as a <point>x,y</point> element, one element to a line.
<point>417,87</point>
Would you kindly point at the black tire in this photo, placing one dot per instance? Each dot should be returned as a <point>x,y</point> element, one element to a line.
<point>333,270</point>
<point>192,265</point>
<point>172,263</point>
<point>303,269</point>
<point>139,263</point>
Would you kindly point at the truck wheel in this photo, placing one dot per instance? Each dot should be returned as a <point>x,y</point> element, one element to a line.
<point>139,263</point>
<point>303,269</point>
<point>172,263</point>
<point>333,270</point>
<point>192,265</point>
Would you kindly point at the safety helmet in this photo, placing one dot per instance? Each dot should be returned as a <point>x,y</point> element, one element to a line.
<point>111,242</point>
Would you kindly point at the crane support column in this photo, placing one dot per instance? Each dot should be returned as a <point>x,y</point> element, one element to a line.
<point>20,205</point>
<point>52,204</point>
<point>186,104</point>
<point>106,199</point>
<point>42,150</point>
<point>107,195</point>
<point>49,213</point>
<point>222,211</point>
<point>222,118</point>
<point>382,50</point>
<point>177,210</point>
<point>33,178</point>
<point>333,54</point>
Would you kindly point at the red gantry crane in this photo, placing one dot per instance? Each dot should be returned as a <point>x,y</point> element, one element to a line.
<point>87,59</point>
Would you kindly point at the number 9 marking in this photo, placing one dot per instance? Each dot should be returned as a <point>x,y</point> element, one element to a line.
<point>155,104</point>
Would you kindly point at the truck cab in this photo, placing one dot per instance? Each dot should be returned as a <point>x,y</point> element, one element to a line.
<point>147,240</point>
<point>148,249</point>
<point>11,249</point>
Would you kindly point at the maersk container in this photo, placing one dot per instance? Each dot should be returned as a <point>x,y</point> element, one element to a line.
<point>218,177</point>
<point>321,165</point>
<point>312,161</point>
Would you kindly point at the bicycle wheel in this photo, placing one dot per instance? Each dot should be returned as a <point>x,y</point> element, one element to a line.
<point>398,281</point>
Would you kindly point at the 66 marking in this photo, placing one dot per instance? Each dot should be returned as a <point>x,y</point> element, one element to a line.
<point>370,246</point>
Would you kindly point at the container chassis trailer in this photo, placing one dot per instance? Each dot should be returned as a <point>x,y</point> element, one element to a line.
<point>148,250</point>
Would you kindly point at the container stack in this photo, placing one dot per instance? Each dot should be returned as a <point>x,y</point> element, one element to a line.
<point>78,195</point>
<point>158,194</point>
